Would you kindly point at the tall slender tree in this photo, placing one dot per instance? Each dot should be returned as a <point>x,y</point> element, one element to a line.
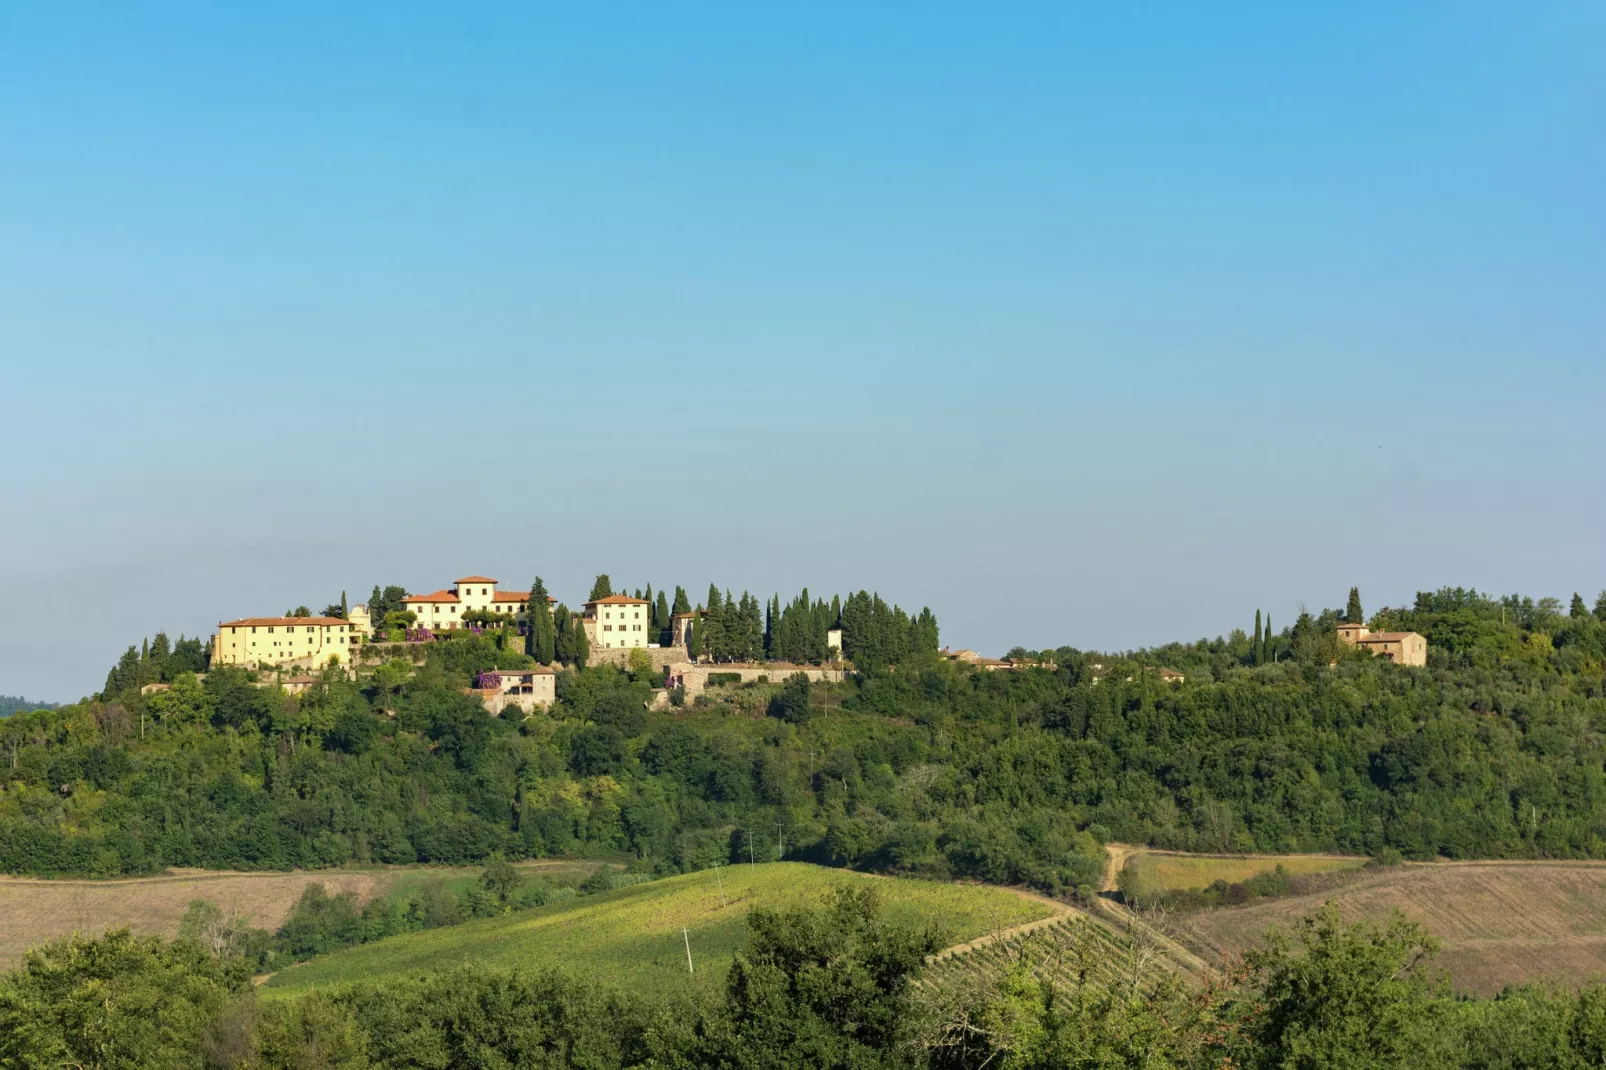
<point>1352,612</point>
<point>601,587</point>
<point>682,603</point>
<point>1267,651</point>
<point>541,638</point>
<point>1258,648</point>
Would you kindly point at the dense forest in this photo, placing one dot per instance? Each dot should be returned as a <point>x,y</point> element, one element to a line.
<point>835,986</point>
<point>10,704</point>
<point>916,764</point>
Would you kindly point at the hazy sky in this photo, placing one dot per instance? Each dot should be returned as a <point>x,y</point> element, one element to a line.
<point>1099,324</point>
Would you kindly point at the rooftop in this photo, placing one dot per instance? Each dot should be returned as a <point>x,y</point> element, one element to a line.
<point>1386,637</point>
<point>268,622</point>
<point>476,579</point>
<point>438,596</point>
<point>617,600</point>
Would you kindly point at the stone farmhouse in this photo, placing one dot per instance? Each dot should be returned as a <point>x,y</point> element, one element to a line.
<point>1404,648</point>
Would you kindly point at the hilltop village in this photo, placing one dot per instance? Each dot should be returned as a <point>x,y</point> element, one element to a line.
<point>731,640</point>
<point>724,639</point>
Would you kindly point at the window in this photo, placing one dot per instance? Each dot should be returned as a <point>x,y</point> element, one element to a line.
<point>270,629</point>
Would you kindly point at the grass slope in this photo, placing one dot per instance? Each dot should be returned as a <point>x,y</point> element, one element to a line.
<point>1182,872</point>
<point>1499,922</point>
<point>34,910</point>
<point>632,937</point>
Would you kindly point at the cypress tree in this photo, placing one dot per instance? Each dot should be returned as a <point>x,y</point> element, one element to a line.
<point>345,609</point>
<point>664,623</point>
<point>694,641</point>
<point>1352,612</point>
<point>582,645</point>
<point>601,587</point>
<point>563,634</point>
<point>540,640</point>
<point>1257,646</point>
<point>1266,648</point>
<point>682,603</point>
<point>652,609</point>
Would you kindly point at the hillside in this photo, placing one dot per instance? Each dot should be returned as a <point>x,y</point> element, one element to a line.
<point>633,937</point>
<point>1500,923</point>
<point>34,911</point>
<point>926,766</point>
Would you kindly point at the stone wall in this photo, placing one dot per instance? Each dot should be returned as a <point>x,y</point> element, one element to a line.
<point>695,677</point>
<point>662,657</point>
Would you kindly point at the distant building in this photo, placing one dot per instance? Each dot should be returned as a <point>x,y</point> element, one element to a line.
<point>526,689</point>
<point>617,621</point>
<point>361,623</point>
<point>259,641</point>
<point>833,642</point>
<point>1171,676</point>
<point>443,610</point>
<point>678,625</point>
<point>1403,648</point>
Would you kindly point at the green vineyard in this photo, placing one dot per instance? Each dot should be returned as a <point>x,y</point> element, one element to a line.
<point>1069,952</point>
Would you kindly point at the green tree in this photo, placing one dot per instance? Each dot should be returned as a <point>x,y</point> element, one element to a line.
<point>1357,996</point>
<point>500,879</point>
<point>828,987</point>
<point>682,603</point>
<point>694,641</point>
<point>1258,648</point>
<point>1352,612</point>
<point>541,635</point>
<point>117,1000</point>
<point>601,587</point>
<point>1578,611</point>
<point>662,621</point>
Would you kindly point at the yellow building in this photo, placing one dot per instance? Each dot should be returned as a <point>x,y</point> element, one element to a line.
<point>259,641</point>
<point>1403,648</point>
<point>444,609</point>
<point>617,621</point>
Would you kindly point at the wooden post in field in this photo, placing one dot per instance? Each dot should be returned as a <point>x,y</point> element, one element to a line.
<point>721,879</point>
<point>687,937</point>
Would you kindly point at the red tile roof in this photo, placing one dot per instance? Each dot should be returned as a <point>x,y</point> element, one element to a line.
<point>475,579</point>
<point>268,622</point>
<point>438,596</point>
<point>516,596</point>
<point>618,600</point>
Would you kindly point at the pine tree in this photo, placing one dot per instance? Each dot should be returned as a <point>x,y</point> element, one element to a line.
<point>1578,611</point>
<point>1352,612</point>
<point>601,587</point>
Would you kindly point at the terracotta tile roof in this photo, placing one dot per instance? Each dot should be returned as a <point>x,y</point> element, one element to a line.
<point>475,579</point>
<point>268,622</point>
<point>684,616</point>
<point>516,596</point>
<point>617,600</point>
<point>438,596</point>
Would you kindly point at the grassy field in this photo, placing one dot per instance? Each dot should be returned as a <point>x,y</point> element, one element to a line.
<point>1179,872</point>
<point>33,911</point>
<point>632,937</point>
<point>1500,922</point>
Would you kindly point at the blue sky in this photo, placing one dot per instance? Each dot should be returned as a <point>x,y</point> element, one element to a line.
<point>1089,324</point>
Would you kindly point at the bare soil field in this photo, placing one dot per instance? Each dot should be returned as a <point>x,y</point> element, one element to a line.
<point>33,911</point>
<point>1499,922</point>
